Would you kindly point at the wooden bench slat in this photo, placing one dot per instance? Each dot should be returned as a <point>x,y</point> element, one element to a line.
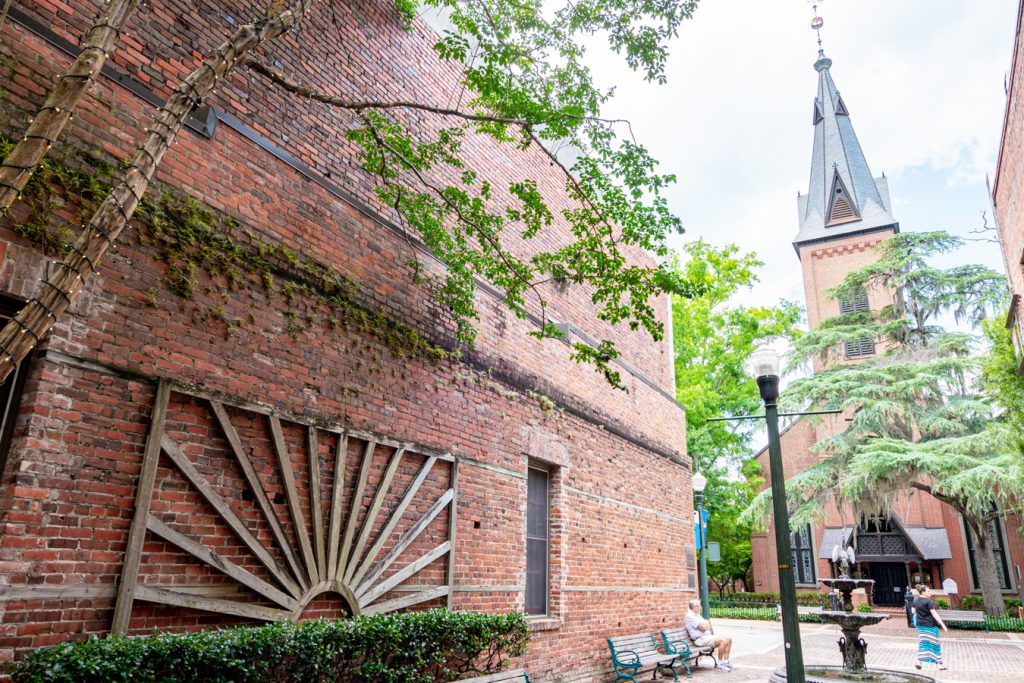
<point>503,677</point>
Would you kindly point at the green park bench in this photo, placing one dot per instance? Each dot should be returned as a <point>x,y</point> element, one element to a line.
<point>634,654</point>
<point>678,642</point>
<point>962,616</point>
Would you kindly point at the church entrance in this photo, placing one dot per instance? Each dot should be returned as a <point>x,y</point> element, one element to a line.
<point>890,582</point>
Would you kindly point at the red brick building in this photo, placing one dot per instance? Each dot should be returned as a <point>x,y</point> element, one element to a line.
<point>1008,190</point>
<point>208,437</point>
<point>845,213</point>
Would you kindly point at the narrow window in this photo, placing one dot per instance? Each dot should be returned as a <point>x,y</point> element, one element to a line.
<point>995,534</point>
<point>11,388</point>
<point>856,303</point>
<point>537,508</point>
<point>803,556</point>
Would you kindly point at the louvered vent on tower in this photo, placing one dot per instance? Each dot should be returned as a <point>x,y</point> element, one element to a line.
<point>864,346</point>
<point>842,205</point>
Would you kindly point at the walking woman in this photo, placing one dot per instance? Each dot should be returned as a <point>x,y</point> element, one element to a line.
<point>928,622</point>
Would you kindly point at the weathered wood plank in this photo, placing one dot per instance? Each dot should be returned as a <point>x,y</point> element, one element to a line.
<point>128,585</point>
<point>452,528</point>
<point>229,516</point>
<point>65,592</point>
<point>211,558</point>
<point>315,503</point>
<point>407,601</point>
<point>353,508</point>
<point>383,488</point>
<point>292,494</point>
<point>408,537</point>
<point>502,677</point>
<point>337,493</point>
<point>256,486</point>
<point>166,596</point>
<point>396,516</point>
<point>403,574</point>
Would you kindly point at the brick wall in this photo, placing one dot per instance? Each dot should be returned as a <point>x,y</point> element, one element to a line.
<point>69,486</point>
<point>1007,194</point>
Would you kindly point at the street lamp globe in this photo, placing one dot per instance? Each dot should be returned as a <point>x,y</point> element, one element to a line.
<point>699,482</point>
<point>765,362</point>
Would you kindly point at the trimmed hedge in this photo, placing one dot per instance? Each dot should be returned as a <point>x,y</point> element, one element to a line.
<point>409,647</point>
<point>978,603</point>
<point>806,599</point>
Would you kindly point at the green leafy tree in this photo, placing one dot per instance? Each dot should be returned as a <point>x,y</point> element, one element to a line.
<point>731,533</point>
<point>522,70</point>
<point>713,337</point>
<point>919,419</point>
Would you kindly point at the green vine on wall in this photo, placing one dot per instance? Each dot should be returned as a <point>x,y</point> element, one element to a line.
<point>191,239</point>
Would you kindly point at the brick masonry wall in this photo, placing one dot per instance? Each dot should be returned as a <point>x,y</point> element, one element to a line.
<point>1008,184</point>
<point>68,489</point>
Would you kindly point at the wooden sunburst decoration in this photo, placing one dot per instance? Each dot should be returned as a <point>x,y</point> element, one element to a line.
<point>242,513</point>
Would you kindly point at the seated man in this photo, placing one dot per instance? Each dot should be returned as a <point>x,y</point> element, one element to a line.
<point>699,630</point>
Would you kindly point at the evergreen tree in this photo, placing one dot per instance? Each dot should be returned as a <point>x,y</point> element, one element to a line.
<point>919,420</point>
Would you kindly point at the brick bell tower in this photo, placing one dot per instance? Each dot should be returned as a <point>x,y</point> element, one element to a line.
<point>845,213</point>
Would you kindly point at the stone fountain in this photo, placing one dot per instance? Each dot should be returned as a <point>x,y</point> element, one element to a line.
<point>851,644</point>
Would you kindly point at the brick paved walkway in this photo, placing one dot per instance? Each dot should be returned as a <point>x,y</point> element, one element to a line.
<point>972,656</point>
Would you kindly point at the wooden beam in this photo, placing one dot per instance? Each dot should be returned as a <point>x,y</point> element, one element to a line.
<point>166,596</point>
<point>334,533</point>
<point>371,515</point>
<point>396,515</point>
<point>407,601</point>
<point>256,486</point>
<point>403,542</point>
<point>403,574</point>
<point>128,585</point>
<point>104,591</point>
<point>452,528</point>
<point>315,504</point>
<point>226,566</point>
<point>353,508</point>
<point>292,494</point>
<point>232,520</point>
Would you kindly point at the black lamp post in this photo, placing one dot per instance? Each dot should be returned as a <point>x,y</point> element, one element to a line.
<point>699,483</point>
<point>765,364</point>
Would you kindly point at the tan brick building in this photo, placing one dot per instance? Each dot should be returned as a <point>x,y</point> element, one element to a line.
<point>845,213</point>
<point>291,457</point>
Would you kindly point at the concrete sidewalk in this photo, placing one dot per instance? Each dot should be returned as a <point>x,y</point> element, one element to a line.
<point>972,656</point>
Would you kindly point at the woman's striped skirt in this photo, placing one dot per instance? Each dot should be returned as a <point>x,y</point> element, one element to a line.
<point>928,647</point>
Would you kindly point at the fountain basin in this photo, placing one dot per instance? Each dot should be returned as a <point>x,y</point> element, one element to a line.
<point>816,673</point>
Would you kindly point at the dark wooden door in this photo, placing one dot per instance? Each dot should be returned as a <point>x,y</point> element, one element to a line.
<point>890,582</point>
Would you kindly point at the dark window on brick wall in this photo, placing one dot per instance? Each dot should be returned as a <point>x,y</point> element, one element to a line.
<point>853,304</point>
<point>538,502</point>
<point>994,528</point>
<point>803,556</point>
<point>10,390</point>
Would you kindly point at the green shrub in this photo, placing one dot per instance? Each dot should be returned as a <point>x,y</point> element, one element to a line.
<point>409,647</point>
<point>942,603</point>
<point>806,599</point>
<point>972,602</point>
<point>864,608</point>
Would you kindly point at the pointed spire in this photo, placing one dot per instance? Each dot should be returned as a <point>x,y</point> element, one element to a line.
<point>843,196</point>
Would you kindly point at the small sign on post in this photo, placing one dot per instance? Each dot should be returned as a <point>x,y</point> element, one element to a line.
<point>714,552</point>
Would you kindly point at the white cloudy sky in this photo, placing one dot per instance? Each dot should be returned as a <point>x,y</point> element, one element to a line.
<point>924,82</point>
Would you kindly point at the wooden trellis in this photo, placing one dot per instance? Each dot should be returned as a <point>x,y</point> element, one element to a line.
<point>367,546</point>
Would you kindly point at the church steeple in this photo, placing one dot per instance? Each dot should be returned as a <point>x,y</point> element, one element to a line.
<point>843,197</point>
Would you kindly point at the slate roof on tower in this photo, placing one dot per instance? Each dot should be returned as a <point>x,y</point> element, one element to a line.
<point>843,197</point>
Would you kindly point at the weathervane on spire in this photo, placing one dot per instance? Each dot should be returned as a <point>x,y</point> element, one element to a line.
<point>816,23</point>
